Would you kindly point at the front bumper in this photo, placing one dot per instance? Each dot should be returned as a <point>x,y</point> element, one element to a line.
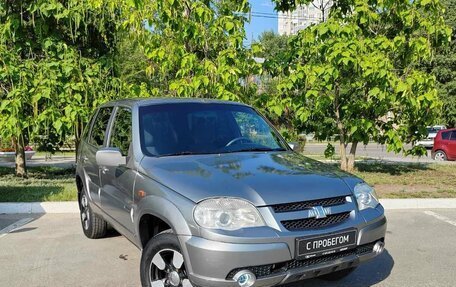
<point>212,263</point>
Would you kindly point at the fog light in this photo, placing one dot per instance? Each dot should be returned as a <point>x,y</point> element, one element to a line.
<point>245,278</point>
<point>378,247</point>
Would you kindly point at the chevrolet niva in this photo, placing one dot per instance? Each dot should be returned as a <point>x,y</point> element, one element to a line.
<point>214,196</point>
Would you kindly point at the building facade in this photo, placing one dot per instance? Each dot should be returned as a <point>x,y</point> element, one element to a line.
<point>304,16</point>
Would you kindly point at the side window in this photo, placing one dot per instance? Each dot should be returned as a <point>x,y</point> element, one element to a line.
<point>121,131</point>
<point>100,124</point>
<point>87,127</point>
<point>446,135</point>
<point>453,135</point>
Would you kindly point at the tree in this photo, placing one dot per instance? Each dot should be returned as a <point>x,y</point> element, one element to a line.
<point>60,59</point>
<point>443,66</point>
<point>195,48</point>
<point>324,6</point>
<point>356,75</point>
<point>273,45</point>
<point>55,67</point>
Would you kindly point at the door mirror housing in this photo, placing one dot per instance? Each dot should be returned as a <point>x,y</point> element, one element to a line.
<point>110,157</point>
<point>294,146</point>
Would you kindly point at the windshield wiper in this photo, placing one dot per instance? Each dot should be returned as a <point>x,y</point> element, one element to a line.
<point>184,153</point>
<point>258,149</point>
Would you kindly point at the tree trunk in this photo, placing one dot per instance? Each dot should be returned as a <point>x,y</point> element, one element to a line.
<point>342,152</point>
<point>19,146</point>
<point>351,157</point>
<point>341,128</point>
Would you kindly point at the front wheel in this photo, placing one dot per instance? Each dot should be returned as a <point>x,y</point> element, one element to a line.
<point>162,263</point>
<point>440,155</point>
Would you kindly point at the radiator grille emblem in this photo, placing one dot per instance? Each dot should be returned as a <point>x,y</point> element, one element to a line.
<point>319,212</point>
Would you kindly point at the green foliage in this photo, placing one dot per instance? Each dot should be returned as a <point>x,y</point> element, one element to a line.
<point>330,151</point>
<point>195,48</point>
<point>274,46</point>
<point>356,75</point>
<point>55,65</point>
<point>443,66</point>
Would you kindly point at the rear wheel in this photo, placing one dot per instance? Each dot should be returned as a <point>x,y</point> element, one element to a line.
<point>338,275</point>
<point>162,263</point>
<point>440,155</point>
<point>92,224</point>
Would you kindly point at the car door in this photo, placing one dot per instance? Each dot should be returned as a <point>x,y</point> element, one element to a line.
<point>452,146</point>
<point>94,142</point>
<point>117,182</point>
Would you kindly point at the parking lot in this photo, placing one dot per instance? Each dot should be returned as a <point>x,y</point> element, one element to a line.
<point>50,250</point>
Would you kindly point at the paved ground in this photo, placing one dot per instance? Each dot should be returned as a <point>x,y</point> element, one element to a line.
<point>372,150</point>
<point>52,251</point>
<point>57,161</point>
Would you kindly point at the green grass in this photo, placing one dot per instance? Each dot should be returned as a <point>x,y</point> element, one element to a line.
<point>410,180</point>
<point>43,184</point>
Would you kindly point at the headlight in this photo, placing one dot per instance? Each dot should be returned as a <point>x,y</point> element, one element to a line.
<point>365,196</point>
<point>227,214</point>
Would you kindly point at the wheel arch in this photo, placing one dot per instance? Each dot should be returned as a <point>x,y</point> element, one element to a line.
<point>157,214</point>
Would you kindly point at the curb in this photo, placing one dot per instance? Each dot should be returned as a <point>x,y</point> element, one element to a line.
<point>72,206</point>
<point>39,207</point>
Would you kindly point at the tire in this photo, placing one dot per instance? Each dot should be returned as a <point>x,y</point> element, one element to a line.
<point>338,275</point>
<point>93,225</point>
<point>440,155</point>
<point>162,262</point>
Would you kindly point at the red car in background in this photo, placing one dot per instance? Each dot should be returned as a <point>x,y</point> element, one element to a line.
<point>445,145</point>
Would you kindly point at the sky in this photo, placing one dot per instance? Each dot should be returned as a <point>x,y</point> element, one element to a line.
<point>260,23</point>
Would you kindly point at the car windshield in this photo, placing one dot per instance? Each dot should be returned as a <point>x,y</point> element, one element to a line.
<point>204,128</point>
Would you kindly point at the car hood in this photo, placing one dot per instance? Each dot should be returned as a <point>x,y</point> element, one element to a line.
<point>261,178</point>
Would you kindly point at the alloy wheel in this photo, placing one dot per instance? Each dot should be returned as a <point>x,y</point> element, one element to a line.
<point>439,156</point>
<point>85,212</point>
<point>167,270</point>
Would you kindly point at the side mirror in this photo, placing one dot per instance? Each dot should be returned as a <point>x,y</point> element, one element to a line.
<point>110,157</point>
<point>294,146</point>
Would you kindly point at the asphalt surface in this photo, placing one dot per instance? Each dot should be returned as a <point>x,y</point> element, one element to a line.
<point>56,161</point>
<point>371,150</point>
<point>52,251</point>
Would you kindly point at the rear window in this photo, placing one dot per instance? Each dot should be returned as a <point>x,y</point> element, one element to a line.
<point>446,135</point>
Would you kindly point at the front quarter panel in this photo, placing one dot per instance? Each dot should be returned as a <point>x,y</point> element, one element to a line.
<point>162,202</point>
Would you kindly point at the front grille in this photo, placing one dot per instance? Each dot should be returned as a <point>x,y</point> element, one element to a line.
<point>266,270</point>
<point>297,206</point>
<point>313,223</point>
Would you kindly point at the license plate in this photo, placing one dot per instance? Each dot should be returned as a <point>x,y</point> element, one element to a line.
<point>308,247</point>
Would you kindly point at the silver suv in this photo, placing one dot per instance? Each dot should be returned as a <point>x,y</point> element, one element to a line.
<point>213,196</point>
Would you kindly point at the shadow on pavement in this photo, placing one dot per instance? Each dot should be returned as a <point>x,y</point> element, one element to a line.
<point>25,229</point>
<point>367,274</point>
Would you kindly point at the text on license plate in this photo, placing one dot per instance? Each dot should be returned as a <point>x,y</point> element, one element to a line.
<point>325,244</point>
